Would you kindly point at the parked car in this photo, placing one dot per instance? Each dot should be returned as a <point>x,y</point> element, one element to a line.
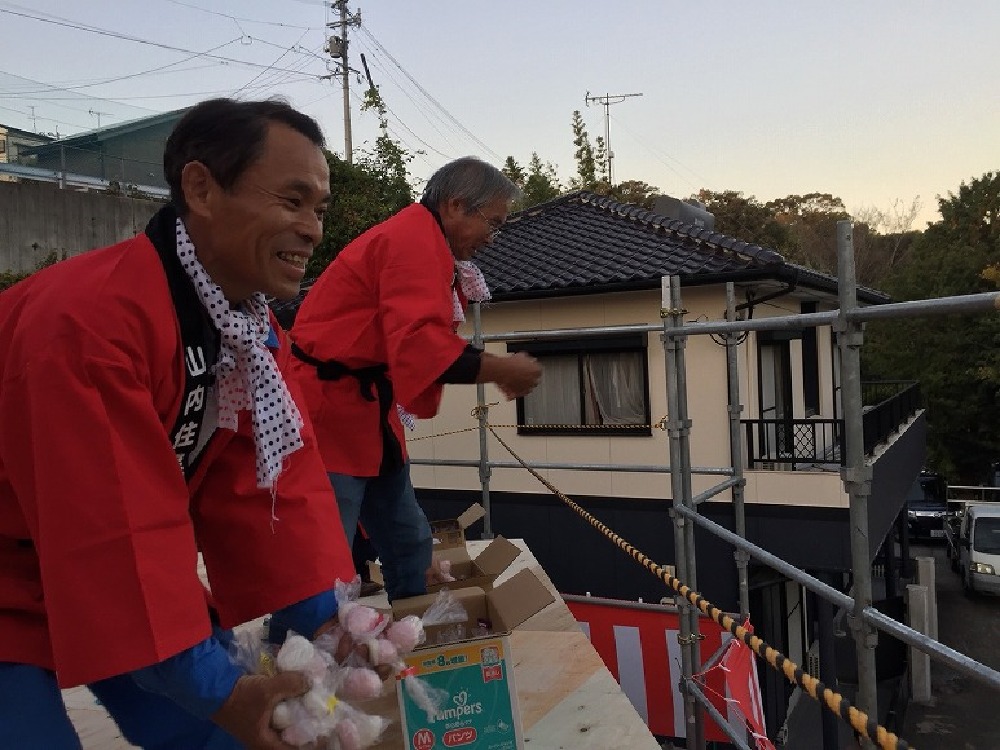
<point>979,548</point>
<point>927,506</point>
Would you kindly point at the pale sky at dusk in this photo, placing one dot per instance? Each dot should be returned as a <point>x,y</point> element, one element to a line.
<point>870,101</point>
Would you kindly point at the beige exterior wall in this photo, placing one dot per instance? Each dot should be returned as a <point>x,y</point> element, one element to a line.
<point>707,401</point>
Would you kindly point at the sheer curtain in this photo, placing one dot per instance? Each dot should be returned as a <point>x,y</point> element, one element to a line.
<point>556,400</point>
<point>616,388</point>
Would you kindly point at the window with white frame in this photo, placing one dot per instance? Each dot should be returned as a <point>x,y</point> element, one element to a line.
<point>588,387</point>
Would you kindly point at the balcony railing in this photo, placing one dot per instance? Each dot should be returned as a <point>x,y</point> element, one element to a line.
<point>892,403</point>
<point>796,444</point>
<point>815,443</point>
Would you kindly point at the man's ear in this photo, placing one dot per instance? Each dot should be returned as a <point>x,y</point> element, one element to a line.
<point>451,210</point>
<point>198,187</point>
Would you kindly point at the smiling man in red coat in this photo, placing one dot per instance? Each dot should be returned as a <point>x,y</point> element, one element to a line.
<point>144,417</point>
<point>377,331</point>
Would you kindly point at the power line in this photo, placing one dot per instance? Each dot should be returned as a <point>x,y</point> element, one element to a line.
<point>138,97</point>
<point>271,66</point>
<point>45,119</point>
<point>241,18</point>
<point>125,77</point>
<point>657,154</point>
<point>126,37</point>
<point>420,106</point>
<point>272,79</point>
<point>361,99</point>
<point>424,91</point>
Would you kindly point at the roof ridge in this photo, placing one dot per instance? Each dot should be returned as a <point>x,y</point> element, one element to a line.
<point>655,221</point>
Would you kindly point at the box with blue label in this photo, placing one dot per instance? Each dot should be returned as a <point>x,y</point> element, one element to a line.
<point>481,710</point>
<point>479,706</point>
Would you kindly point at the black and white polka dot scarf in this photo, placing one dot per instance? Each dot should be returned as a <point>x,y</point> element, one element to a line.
<point>246,375</point>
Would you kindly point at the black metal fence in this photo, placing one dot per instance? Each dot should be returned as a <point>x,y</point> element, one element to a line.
<point>803,444</point>
<point>799,444</point>
<point>888,404</point>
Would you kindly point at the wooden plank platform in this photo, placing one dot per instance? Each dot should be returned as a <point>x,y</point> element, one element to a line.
<point>568,698</point>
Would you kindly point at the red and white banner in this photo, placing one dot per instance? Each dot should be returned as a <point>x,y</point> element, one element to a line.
<point>739,667</point>
<point>638,643</point>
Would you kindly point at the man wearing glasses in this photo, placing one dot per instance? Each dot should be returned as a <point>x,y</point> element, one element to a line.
<point>376,341</point>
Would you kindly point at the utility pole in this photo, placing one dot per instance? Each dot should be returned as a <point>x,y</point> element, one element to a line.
<point>606,101</point>
<point>34,122</point>
<point>337,48</point>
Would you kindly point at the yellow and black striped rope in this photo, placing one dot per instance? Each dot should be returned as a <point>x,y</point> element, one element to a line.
<point>441,434</point>
<point>661,425</point>
<point>835,702</point>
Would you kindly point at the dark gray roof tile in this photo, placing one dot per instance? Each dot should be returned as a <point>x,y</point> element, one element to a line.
<point>587,241</point>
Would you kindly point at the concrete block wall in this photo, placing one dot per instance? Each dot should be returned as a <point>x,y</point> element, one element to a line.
<point>39,218</point>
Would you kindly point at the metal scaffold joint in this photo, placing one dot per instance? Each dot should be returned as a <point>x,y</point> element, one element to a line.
<point>853,337</point>
<point>862,628</point>
<point>693,638</point>
<point>666,312</point>
<point>857,478</point>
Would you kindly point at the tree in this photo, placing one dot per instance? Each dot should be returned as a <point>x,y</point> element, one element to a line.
<point>542,183</point>
<point>365,193</point>
<point>586,164</point>
<point>745,218</point>
<point>955,357</point>
<point>514,172</point>
<point>601,161</point>
<point>811,220</point>
<point>882,240</point>
<point>635,191</point>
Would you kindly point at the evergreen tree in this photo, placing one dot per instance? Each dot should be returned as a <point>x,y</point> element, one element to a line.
<point>955,357</point>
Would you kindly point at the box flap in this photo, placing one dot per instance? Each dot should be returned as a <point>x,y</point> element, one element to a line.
<point>453,554</point>
<point>516,600</point>
<point>473,514</point>
<point>471,598</point>
<point>497,557</point>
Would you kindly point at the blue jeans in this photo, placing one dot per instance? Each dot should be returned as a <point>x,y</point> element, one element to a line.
<point>387,508</point>
<point>33,716</point>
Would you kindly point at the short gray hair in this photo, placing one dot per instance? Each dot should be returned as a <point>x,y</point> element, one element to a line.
<point>470,180</point>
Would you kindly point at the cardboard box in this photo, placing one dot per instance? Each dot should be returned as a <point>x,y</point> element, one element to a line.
<point>451,532</point>
<point>481,710</point>
<point>482,571</point>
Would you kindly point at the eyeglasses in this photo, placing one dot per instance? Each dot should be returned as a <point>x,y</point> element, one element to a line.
<point>494,225</point>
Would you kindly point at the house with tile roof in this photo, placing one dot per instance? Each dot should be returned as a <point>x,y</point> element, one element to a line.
<point>585,261</point>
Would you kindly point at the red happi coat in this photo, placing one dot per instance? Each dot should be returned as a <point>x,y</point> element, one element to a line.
<point>385,299</point>
<point>99,532</point>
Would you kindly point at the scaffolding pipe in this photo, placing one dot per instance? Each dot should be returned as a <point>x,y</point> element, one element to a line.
<point>647,468</point>
<point>680,363</point>
<point>959,304</point>
<point>736,453</point>
<point>674,427</point>
<point>713,491</point>
<point>721,720</point>
<point>882,621</point>
<point>678,429</point>
<point>483,418</point>
<point>856,472</point>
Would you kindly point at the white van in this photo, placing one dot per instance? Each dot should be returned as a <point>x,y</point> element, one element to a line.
<point>980,548</point>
